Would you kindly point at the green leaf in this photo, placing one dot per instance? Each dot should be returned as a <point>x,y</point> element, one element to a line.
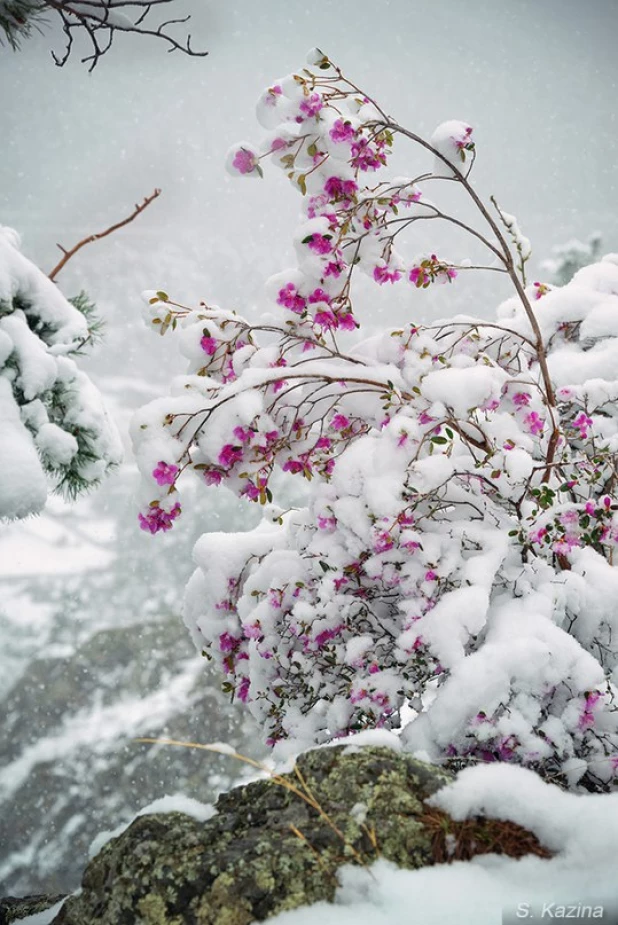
<point>162,296</point>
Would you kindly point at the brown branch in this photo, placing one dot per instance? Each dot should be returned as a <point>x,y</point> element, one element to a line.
<point>67,254</point>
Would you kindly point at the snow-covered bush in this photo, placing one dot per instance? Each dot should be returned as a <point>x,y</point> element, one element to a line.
<point>52,420</point>
<point>456,550</point>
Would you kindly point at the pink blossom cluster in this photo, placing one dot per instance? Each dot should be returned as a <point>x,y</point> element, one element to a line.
<point>157,518</point>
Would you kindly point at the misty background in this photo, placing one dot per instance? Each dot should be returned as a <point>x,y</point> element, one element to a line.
<point>94,652</point>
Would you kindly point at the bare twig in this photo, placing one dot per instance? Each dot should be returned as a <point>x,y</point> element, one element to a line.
<point>101,20</point>
<point>67,254</point>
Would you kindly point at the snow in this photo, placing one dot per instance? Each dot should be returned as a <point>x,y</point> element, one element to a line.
<point>170,803</point>
<point>43,918</point>
<point>23,487</point>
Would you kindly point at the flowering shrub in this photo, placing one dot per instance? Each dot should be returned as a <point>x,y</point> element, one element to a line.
<point>456,549</point>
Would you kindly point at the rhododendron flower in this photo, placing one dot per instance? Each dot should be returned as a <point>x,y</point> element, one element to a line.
<point>336,188</point>
<point>326,523</point>
<point>243,434</point>
<point>242,691</point>
<point>230,455</point>
<point>347,321</point>
<point>165,474</point>
<point>289,298</point>
<point>319,243</point>
<point>340,422</point>
<point>244,161</point>
<point>326,319</point>
<point>365,156</point>
<point>208,345</point>
<point>228,643</point>
<point>156,519</point>
<point>319,295</point>
<point>583,422</point>
<point>382,274</point>
<point>342,131</point>
<point>540,289</point>
<point>520,399</point>
<point>310,106</point>
<point>213,476</point>
<point>534,423</point>
<point>334,267</point>
<point>383,542</point>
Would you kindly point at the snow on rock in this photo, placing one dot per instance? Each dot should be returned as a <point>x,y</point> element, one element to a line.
<point>170,803</point>
<point>581,831</point>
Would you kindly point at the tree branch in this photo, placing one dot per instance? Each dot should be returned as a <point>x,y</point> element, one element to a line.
<point>67,254</point>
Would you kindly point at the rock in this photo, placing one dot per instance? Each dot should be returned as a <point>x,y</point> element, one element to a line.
<point>267,849</point>
<point>13,909</point>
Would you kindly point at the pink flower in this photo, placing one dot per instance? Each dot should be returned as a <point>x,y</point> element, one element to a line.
<point>228,643</point>
<point>273,92</point>
<point>347,322</point>
<point>520,399</point>
<point>243,434</point>
<point>319,295</point>
<point>583,422</point>
<point>537,536</point>
<point>424,418</point>
<point>327,523</point>
<point>540,289</point>
<point>340,422</point>
<point>430,575</point>
<point>229,455</point>
<point>463,142</point>
<point>323,443</point>
<point>382,275</point>
<point>587,718</point>
<point>293,465</point>
<point>326,319</point>
<point>319,243</point>
<point>383,542</point>
<point>535,423</point>
<point>364,156</point>
<point>326,635</point>
<point>289,298</point>
<point>165,474</point>
<point>342,131</point>
<point>157,519</point>
<point>208,345</point>
<point>336,188</point>
<point>242,691</point>
<point>334,268</point>
<point>245,161</point>
<point>310,106</point>
<point>213,476</point>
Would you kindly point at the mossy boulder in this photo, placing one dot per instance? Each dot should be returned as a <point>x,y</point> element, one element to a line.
<point>277,844</point>
<point>267,849</point>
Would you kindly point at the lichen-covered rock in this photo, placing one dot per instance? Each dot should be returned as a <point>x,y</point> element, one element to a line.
<point>267,849</point>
